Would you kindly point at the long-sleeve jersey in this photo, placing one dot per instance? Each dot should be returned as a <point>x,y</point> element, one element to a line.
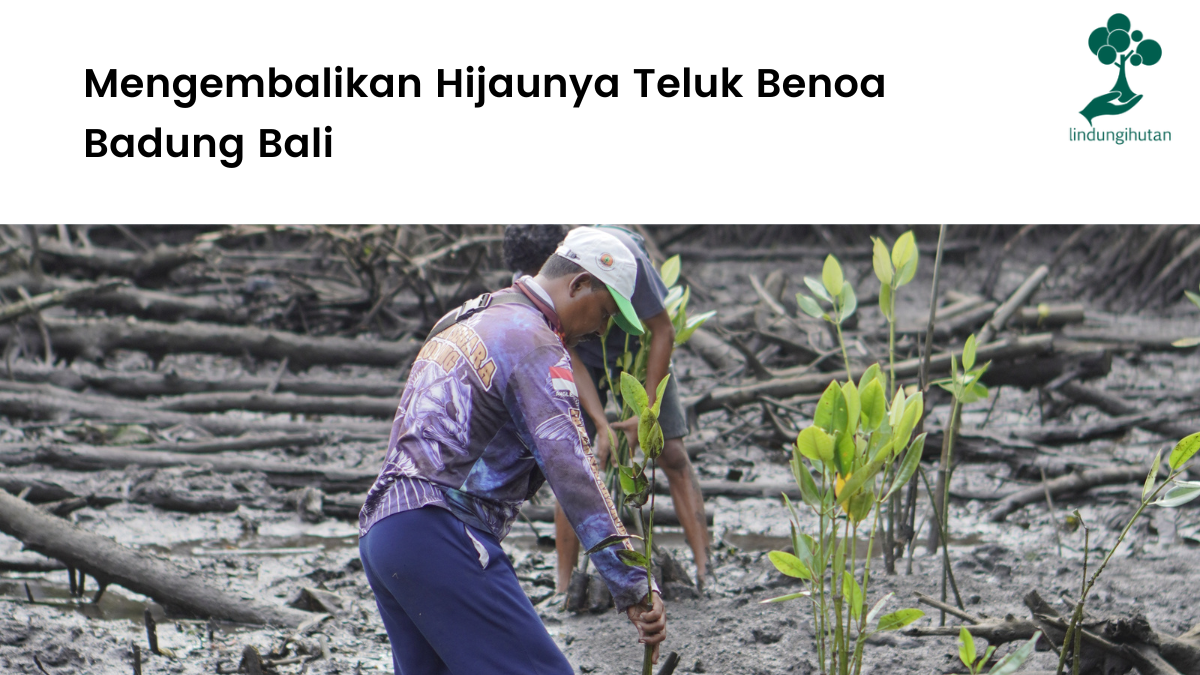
<point>489,409</point>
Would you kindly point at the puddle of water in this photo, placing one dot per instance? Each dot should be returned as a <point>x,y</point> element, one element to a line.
<point>112,604</point>
<point>260,546</point>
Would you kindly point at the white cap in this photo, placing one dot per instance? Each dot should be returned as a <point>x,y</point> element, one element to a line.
<point>607,259</point>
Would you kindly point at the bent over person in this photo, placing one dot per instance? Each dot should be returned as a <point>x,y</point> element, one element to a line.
<point>489,412</point>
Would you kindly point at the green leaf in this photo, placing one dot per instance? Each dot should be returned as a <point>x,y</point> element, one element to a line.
<point>913,407</point>
<point>874,405</point>
<point>808,487</point>
<point>859,478</point>
<point>853,408</point>
<point>790,565</point>
<point>658,395</point>
<point>975,392</point>
<point>814,443</point>
<point>628,480</point>
<point>912,459</point>
<point>853,595</point>
<point>806,548</point>
<point>1152,476</point>
<point>693,323</point>
<point>898,619</point>
<point>1016,658</point>
<point>966,648</point>
<point>671,302</point>
<point>1193,297</point>
<point>1182,493</point>
<point>818,290</point>
<point>670,271</point>
<point>1186,342</point>
<point>784,598</point>
<point>906,273</point>
<point>1184,451</point>
<point>634,393</point>
<point>611,540</point>
<point>873,372</point>
<point>987,655</point>
<point>839,561</point>
<point>896,411</point>
<point>882,262</point>
<point>885,303</point>
<point>633,558</point>
<point>809,306</point>
<point>903,250</point>
<point>968,353</point>
<point>831,276</point>
<point>650,435</point>
<point>849,302</point>
<point>823,416</point>
<point>860,505</point>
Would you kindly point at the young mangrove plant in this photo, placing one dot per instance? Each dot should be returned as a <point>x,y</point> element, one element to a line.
<point>633,486</point>
<point>1005,666</point>
<point>855,439</point>
<point>966,388</point>
<point>1181,493</point>
<point>833,289</point>
<point>893,269</point>
<point>1189,341</point>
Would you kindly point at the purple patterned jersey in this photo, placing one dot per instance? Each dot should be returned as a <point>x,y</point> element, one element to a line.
<point>489,408</point>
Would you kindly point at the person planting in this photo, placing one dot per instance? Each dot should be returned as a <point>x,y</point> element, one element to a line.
<point>489,412</point>
<point>526,246</point>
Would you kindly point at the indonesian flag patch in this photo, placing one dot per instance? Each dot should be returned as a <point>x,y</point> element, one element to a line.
<point>563,382</point>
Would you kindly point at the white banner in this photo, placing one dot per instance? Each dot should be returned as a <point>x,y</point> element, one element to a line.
<point>938,112</point>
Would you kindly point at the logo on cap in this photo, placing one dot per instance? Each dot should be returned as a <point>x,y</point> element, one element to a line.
<point>605,260</point>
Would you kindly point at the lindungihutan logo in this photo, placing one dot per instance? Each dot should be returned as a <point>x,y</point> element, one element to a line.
<point>1115,44</point>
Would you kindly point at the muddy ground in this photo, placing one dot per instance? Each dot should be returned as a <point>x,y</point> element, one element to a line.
<point>265,550</point>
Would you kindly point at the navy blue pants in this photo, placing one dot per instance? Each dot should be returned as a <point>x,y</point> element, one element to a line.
<point>445,613</point>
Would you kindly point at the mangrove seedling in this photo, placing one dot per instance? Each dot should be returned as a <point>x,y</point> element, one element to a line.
<point>838,294</point>
<point>1180,493</point>
<point>1005,666</point>
<point>965,388</point>
<point>855,437</point>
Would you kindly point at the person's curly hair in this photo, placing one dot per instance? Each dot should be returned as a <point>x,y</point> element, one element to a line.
<point>527,247</point>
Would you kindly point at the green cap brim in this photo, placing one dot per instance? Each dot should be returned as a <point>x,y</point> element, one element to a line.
<point>626,318</point>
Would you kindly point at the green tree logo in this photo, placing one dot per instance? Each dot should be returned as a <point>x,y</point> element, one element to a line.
<point>1112,45</point>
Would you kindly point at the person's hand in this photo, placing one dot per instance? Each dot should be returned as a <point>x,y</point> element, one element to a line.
<point>651,622</point>
<point>602,449</point>
<point>630,427</point>
<point>1107,104</point>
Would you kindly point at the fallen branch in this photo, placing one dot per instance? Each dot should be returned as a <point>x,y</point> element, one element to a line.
<point>94,339</point>
<point>39,302</point>
<point>1066,485</point>
<point>1115,405</point>
<point>80,457</point>
<point>44,402</point>
<point>359,406</point>
<point>115,262</point>
<point>146,383</point>
<point>815,383</point>
<point>1005,311</point>
<point>109,562</point>
<point>1078,433</point>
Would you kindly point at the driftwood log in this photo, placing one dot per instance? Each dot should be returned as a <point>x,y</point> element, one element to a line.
<point>110,563</point>
<point>170,383</point>
<point>361,406</point>
<point>1066,485</point>
<point>1116,406</point>
<point>1112,645</point>
<point>95,338</point>
<point>144,267</point>
<point>80,457</point>
<point>815,383</point>
<point>44,402</point>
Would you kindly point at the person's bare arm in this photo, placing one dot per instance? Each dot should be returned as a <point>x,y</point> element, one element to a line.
<point>662,342</point>
<point>589,400</point>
